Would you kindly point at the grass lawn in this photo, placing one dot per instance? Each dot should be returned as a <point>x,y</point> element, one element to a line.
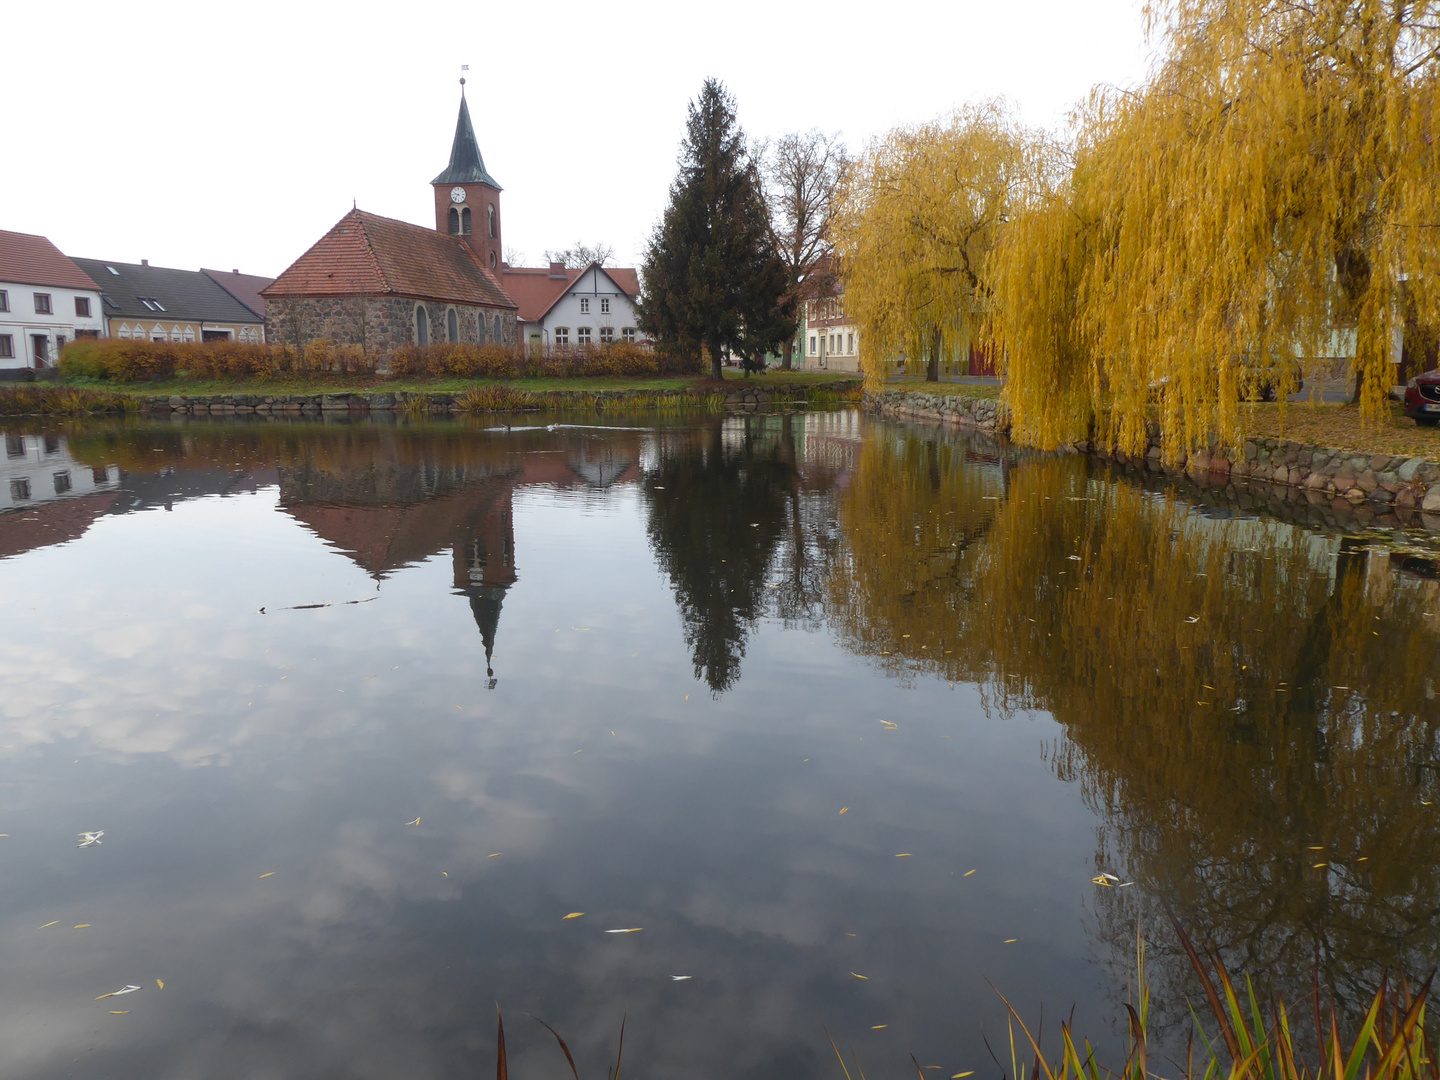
<point>985,391</point>
<point>1339,426</point>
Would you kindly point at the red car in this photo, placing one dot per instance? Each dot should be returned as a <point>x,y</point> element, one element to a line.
<point>1422,399</point>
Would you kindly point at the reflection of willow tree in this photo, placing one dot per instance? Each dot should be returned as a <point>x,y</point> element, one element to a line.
<point>717,511</point>
<point>910,519</point>
<point>1194,665</point>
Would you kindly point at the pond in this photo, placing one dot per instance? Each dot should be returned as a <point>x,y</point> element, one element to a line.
<point>743,729</point>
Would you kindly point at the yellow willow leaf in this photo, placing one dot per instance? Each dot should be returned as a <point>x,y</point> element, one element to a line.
<point>160,983</point>
<point>1011,941</point>
<point>878,1027</point>
<point>269,873</point>
<point>859,976</point>
<point>82,926</point>
<point>844,809</point>
<point>574,915</point>
<point>967,873</point>
<point>49,924</point>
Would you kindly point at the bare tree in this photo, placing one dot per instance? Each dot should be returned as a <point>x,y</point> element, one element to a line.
<point>802,173</point>
<point>582,255</point>
<point>514,256</point>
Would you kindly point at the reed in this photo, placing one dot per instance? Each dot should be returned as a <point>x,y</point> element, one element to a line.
<point>51,399</point>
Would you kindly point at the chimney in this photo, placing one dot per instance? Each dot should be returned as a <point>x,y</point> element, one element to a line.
<point>144,262</point>
<point>235,271</point>
<point>557,270</point>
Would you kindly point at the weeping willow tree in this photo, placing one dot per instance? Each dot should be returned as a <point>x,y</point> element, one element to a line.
<point>1272,188</point>
<point>918,217</point>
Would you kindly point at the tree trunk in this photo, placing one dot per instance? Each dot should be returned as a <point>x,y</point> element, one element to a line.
<point>785,354</point>
<point>932,369</point>
<point>715,372</point>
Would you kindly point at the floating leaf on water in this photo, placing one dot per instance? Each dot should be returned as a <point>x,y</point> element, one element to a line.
<point>495,855</point>
<point>961,1076</point>
<point>416,821</point>
<point>888,724</point>
<point>878,1027</point>
<point>119,1012</point>
<point>626,930</point>
<point>116,993</point>
<point>1320,866</point>
<point>49,924</point>
<point>268,873</point>
<point>1315,847</point>
<point>680,978</point>
<point>968,873</point>
<point>859,976</point>
<point>83,926</point>
<point>1011,941</point>
<point>905,855</point>
<point>1101,879</point>
<point>573,915</point>
<point>844,809</point>
<point>160,983</point>
<point>90,839</point>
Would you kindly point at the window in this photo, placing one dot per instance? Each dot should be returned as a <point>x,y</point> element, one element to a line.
<point>584,305</point>
<point>20,489</point>
<point>452,326</point>
<point>4,300</point>
<point>850,344</point>
<point>51,444</point>
<point>150,303</point>
<point>422,326</point>
<point>14,446</point>
<point>813,349</point>
<point>628,334</point>
<point>465,222</point>
<point>491,213</point>
<point>607,335</point>
<point>454,222</point>
<point>604,305</point>
<point>87,333</point>
<point>7,347</point>
<point>562,336</point>
<point>99,475</point>
<point>82,307</point>
<point>492,260</point>
<point>62,482</point>
<point>214,335</point>
<point>42,303</point>
<point>113,270</point>
<point>157,333</point>
<point>582,336</point>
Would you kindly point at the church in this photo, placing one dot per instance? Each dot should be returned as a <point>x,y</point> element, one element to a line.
<point>381,283</point>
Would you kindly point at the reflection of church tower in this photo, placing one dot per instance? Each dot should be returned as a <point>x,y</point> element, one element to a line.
<point>485,569</point>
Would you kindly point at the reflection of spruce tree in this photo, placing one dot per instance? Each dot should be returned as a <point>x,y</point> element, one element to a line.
<point>716,514</point>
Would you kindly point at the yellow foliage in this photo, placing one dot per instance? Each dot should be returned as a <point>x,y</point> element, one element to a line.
<point>918,215</point>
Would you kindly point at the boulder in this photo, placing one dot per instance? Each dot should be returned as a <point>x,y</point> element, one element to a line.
<point>1431,503</point>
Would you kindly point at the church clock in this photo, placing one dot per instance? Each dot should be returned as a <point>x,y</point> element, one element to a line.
<point>457,195</point>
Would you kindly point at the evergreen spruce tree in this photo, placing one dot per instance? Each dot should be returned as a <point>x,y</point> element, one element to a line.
<point>712,279</point>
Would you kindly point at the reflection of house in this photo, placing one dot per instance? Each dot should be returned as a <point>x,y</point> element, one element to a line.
<point>39,469</point>
<point>157,303</point>
<point>45,301</point>
<point>562,308</point>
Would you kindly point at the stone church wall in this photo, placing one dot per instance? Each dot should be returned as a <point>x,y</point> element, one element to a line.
<point>379,324</point>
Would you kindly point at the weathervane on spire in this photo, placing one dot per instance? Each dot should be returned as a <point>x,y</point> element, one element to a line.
<point>463,68</point>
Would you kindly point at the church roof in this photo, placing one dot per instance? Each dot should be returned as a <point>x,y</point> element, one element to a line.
<point>27,259</point>
<point>466,165</point>
<point>369,255</point>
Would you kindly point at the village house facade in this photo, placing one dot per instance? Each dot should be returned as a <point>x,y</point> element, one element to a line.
<point>563,308</point>
<point>830,340</point>
<point>141,302</point>
<point>45,301</point>
<point>379,283</point>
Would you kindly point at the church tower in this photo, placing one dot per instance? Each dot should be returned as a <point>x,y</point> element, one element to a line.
<point>467,198</point>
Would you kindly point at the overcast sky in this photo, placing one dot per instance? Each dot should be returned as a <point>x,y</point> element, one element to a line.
<point>234,135</point>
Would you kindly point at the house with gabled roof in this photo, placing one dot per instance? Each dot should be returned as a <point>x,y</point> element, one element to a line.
<point>45,301</point>
<point>562,307</point>
<point>141,302</point>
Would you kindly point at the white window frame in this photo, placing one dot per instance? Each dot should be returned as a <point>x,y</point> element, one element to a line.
<point>48,309</point>
<point>7,347</point>
<point>607,335</point>
<point>584,305</point>
<point>582,335</point>
<point>562,336</point>
<point>82,302</point>
<point>627,334</point>
<point>4,299</point>
<point>604,305</point>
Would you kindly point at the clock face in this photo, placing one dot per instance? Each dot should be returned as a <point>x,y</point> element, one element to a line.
<point>457,194</point>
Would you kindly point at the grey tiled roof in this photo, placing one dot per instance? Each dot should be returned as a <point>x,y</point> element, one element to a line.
<point>466,165</point>
<point>182,294</point>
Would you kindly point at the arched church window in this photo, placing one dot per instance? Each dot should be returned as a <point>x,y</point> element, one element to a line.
<point>452,326</point>
<point>492,260</point>
<point>422,326</point>
<point>454,222</point>
<point>465,222</point>
<point>492,221</point>
<point>481,325</point>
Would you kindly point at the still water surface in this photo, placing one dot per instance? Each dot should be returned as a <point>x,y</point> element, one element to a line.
<point>843,716</point>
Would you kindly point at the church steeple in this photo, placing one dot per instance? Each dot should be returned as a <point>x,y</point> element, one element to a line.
<point>466,164</point>
<point>467,198</point>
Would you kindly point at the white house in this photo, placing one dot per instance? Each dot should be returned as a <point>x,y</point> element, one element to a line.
<point>45,301</point>
<point>564,308</point>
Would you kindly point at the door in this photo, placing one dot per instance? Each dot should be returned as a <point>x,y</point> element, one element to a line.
<point>40,349</point>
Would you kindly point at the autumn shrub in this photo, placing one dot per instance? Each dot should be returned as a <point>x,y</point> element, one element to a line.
<point>50,399</point>
<point>496,398</point>
<point>618,359</point>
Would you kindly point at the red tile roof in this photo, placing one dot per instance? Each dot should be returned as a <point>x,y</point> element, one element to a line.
<point>243,287</point>
<point>34,260</point>
<point>368,255</point>
<point>536,292</point>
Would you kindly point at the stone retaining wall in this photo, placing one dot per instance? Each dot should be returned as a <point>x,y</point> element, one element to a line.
<point>1352,483</point>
